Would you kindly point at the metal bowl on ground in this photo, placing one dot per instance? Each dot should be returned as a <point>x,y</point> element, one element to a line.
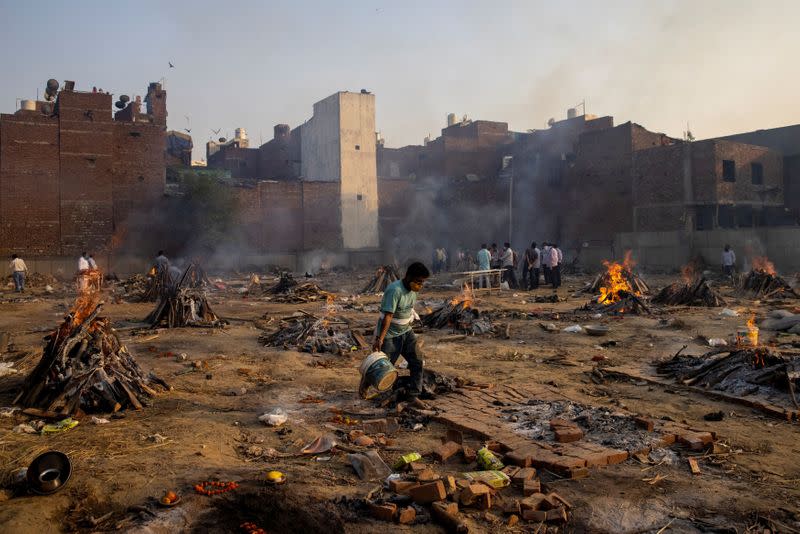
<point>596,330</point>
<point>49,472</point>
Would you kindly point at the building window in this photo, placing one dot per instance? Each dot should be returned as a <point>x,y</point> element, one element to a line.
<point>704,218</point>
<point>757,173</point>
<point>728,170</point>
<point>358,147</point>
<point>360,196</point>
<point>135,134</point>
<point>91,162</point>
<point>141,178</point>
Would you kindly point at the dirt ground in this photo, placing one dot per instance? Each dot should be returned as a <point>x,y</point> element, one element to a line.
<point>209,420</point>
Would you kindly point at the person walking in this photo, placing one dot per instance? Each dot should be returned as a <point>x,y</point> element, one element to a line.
<point>393,333</point>
<point>728,261</point>
<point>484,258</point>
<point>18,272</point>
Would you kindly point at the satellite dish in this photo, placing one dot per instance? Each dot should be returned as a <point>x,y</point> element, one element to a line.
<point>124,98</point>
<point>119,104</point>
<point>551,122</point>
<point>52,85</point>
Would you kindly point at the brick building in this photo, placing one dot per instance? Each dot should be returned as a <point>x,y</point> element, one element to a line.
<point>71,172</point>
<point>786,141</point>
<point>706,185</point>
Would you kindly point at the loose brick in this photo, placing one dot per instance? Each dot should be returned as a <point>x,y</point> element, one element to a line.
<point>443,452</point>
<point>531,487</point>
<point>407,516</point>
<point>384,512</point>
<point>427,475</point>
<point>470,454</point>
<point>645,422</point>
<point>533,502</point>
<point>471,493</point>
<point>578,472</point>
<point>520,458</point>
<point>534,515</point>
<point>526,473</point>
<point>402,486</point>
<point>510,470</point>
<point>428,493</point>
<point>568,435</point>
<point>556,514</point>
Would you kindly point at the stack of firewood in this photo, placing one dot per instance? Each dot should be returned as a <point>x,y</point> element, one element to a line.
<point>696,293</point>
<point>460,316</point>
<point>85,368</point>
<point>384,275</point>
<point>158,282</point>
<point>184,303</point>
<point>764,284</point>
<point>307,292</point>
<point>308,333</point>
<point>284,285</point>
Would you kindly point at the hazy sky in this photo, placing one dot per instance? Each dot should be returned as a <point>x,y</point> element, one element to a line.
<point>723,66</point>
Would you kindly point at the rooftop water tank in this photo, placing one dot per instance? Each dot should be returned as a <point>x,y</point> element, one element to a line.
<point>451,119</point>
<point>572,113</point>
<point>240,133</point>
<point>27,105</point>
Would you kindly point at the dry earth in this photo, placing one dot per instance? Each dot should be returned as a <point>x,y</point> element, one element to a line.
<point>118,469</point>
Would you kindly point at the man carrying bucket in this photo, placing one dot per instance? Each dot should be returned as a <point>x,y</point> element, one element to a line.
<point>393,334</point>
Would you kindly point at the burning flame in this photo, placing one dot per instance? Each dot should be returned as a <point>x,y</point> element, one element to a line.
<point>750,337</point>
<point>465,299</point>
<point>88,284</point>
<point>762,263</point>
<point>688,273</point>
<point>617,280</point>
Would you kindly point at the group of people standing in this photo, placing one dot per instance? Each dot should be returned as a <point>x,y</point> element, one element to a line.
<point>535,263</point>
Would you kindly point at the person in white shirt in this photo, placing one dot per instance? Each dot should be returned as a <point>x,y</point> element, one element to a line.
<point>92,263</point>
<point>555,265</point>
<point>18,272</point>
<point>83,263</point>
<point>546,262</point>
<point>728,260</point>
<point>534,266</point>
<point>507,264</point>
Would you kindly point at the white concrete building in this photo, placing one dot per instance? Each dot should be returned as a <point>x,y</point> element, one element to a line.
<point>338,144</point>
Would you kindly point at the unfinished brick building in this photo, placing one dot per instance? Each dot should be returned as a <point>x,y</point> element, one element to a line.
<point>71,173</point>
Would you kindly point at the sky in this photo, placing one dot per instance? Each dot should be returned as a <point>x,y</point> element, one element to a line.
<point>721,67</point>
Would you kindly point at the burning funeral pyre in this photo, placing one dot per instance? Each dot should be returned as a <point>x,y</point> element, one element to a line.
<point>288,290</point>
<point>619,289</point>
<point>307,333</point>
<point>85,367</point>
<point>184,303</point>
<point>384,275</point>
<point>763,281</point>
<point>459,314</point>
<point>695,292</point>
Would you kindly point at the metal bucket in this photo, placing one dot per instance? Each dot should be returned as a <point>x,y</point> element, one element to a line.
<point>376,372</point>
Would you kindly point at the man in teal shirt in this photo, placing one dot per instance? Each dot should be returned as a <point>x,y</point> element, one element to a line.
<point>484,264</point>
<point>393,333</point>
